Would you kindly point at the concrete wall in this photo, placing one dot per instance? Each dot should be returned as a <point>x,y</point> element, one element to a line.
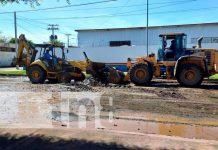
<point>137,36</point>
<point>6,58</point>
<point>107,54</point>
<point>7,45</point>
<point>96,42</point>
<point>118,54</point>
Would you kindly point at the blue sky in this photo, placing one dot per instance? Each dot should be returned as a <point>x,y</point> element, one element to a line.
<point>121,13</point>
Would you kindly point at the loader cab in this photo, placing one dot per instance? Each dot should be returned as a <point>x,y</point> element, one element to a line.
<point>172,46</point>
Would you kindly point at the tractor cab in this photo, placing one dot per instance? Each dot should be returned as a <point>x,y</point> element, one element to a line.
<point>172,46</point>
<point>51,55</point>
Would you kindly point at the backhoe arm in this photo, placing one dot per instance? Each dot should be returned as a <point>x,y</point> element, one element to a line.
<point>31,51</point>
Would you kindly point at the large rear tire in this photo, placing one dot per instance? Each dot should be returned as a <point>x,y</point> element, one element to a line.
<point>37,74</point>
<point>140,74</point>
<point>190,75</point>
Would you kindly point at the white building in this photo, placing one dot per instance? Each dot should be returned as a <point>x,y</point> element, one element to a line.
<point>117,44</point>
<point>7,54</point>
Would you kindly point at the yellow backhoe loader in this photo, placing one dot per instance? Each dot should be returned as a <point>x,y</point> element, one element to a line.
<point>175,61</point>
<point>48,65</point>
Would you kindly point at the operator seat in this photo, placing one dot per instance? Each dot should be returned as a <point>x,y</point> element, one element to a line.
<point>170,52</point>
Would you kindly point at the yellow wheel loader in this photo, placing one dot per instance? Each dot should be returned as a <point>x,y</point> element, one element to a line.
<point>189,66</point>
<point>48,65</point>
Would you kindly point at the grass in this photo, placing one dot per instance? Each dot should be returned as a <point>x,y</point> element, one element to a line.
<point>214,76</point>
<point>23,72</point>
<point>12,72</point>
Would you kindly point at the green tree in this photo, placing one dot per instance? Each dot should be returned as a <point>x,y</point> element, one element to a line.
<point>31,2</point>
<point>12,40</point>
<point>58,43</point>
<point>31,42</point>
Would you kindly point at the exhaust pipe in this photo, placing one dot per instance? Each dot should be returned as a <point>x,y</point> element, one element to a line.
<point>199,42</point>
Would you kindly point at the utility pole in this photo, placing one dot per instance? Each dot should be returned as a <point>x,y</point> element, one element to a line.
<point>68,39</point>
<point>53,27</point>
<point>15,30</point>
<point>147,28</point>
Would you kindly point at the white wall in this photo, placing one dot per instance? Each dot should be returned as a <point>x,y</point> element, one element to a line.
<point>117,54</point>
<point>108,54</point>
<point>7,45</point>
<point>101,38</point>
<point>6,58</point>
<point>96,42</point>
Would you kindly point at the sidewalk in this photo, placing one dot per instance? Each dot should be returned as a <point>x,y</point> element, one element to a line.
<point>96,139</point>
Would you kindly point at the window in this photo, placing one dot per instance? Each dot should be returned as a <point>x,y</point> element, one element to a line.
<point>215,39</point>
<point>184,42</point>
<point>205,40</point>
<point>119,43</point>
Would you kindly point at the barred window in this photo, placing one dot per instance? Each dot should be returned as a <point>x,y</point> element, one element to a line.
<point>215,39</point>
<point>205,40</point>
<point>119,43</point>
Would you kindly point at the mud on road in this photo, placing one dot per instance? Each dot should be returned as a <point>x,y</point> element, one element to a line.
<point>162,97</point>
<point>164,108</point>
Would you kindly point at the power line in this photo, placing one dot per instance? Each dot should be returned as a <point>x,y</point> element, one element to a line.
<point>29,21</point>
<point>186,10</point>
<point>53,28</point>
<point>115,12</point>
<point>112,15</point>
<point>97,2</point>
<point>120,14</point>
<point>29,31</point>
<point>66,6</point>
<point>96,16</point>
<point>143,4</point>
<point>99,8</point>
<point>32,24</point>
<point>170,2</point>
<point>176,3</point>
<point>129,14</point>
<point>24,29</point>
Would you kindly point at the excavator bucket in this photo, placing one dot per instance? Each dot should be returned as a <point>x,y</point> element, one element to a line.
<point>103,73</point>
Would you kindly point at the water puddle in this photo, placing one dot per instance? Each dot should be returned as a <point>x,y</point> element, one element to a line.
<point>147,127</point>
<point>168,129</point>
<point>24,110</point>
<point>36,109</point>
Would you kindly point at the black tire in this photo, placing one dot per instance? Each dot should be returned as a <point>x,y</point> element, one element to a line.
<point>190,75</point>
<point>37,74</point>
<point>82,78</point>
<point>64,77</point>
<point>140,74</point>
<point>53,81</point>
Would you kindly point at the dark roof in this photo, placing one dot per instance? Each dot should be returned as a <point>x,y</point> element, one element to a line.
<point>171,34</point>
<point>47,45</point>
<point>133,28</point>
